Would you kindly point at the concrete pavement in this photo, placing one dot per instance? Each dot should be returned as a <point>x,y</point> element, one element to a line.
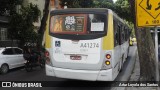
<point>135,77</point>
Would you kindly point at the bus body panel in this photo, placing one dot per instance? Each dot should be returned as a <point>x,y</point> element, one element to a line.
<point>103,75</point>
<point>47,36</point>
<point>82,54</point>
<point>85,74</point>
<point>108,40</point>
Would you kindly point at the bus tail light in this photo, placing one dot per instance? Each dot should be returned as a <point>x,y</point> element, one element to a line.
<point>108,56</point>
<point>47,58</point>
<point>47,54</point>
<point>107,61</point>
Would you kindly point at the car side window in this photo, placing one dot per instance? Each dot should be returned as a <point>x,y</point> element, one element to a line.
<point>18,51</point>
<point>8,51</point>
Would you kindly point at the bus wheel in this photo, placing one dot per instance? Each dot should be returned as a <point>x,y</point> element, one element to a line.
<point>128,52</point>
<point>124,59</point>
<point>121,66</point>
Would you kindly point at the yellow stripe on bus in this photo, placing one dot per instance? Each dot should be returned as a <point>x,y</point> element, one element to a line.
<point>108,40</point>
<point>47,36</point>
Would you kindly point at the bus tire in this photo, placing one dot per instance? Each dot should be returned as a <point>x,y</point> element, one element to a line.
<point>127,53</point>
<point>121,66</point>
<point>122,63</point>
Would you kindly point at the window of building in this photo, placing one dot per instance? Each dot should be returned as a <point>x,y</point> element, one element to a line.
<point>3,34</point>
<point>18,9</point>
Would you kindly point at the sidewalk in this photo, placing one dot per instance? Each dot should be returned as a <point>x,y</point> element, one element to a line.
<point>136,75</point>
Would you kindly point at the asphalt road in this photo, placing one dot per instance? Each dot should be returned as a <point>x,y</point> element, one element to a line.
<point>38,74</point>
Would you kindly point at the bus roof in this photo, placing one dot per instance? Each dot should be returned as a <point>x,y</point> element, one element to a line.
<point>80,10</point>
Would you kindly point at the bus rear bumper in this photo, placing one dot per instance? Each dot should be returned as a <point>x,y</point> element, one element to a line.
<point>101,75</point>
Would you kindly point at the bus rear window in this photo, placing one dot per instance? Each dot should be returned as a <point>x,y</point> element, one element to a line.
<point>68,24</point>
<point>96,23</point>
<point>78,26</point>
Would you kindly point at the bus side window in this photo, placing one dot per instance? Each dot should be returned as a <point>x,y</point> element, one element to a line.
<point>126,35</point>
<point>116,36</point>
<point>123,34</point>
<point>129,32</point>
<point>119,34</point>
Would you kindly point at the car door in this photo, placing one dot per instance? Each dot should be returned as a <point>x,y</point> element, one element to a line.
<point>18,53</point>
<point>9,57</point>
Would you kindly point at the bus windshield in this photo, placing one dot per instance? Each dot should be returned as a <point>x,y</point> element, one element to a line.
<point>79,25</point>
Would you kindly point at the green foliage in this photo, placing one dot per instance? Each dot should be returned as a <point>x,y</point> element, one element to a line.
<point>21,24</point>
<point>104,4</point>
<point>123,9</point>
<point>77,3</point>
<point>30,13</point>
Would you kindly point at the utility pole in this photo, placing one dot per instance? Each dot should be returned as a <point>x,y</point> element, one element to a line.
<point>156,52</point>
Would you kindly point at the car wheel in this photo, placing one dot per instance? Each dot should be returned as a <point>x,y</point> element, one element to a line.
<point>4,68</point>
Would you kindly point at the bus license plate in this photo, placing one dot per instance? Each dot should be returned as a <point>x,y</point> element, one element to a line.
<point>75,57</point>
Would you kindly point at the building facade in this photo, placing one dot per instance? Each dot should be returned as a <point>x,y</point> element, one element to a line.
<point>4,24</point>
<point>4,39</point>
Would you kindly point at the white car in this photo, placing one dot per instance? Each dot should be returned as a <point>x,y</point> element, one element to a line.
<point>10,57</point>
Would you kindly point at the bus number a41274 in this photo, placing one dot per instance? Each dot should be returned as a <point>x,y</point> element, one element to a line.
<point>89,45</point>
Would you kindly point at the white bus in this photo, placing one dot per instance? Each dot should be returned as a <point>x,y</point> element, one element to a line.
<point>86,44</point>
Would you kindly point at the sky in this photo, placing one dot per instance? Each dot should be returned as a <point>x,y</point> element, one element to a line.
<point>114,0</point>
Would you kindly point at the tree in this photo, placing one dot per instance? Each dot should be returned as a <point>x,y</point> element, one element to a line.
<point>122,8</point>
<point>43,22</point>
<point>88,3</point>
<point>77,3</point>
<point>21,24</point>
<point>145,49</point>
<point>104,4</point>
